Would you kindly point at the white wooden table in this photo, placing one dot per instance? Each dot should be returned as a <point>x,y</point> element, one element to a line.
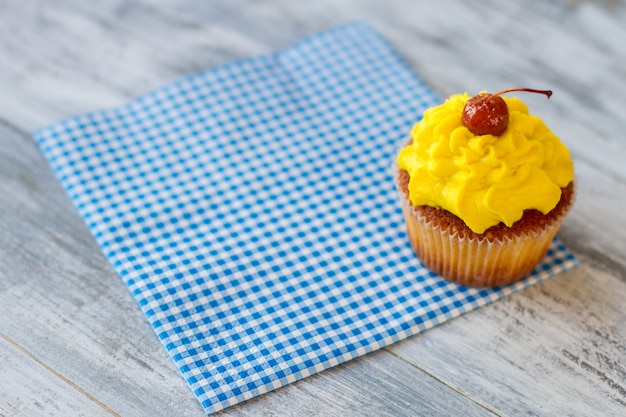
<point>74,343</point>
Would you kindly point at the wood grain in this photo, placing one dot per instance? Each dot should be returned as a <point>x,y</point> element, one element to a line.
<point>64,308</point>
<point>73,340</point>
<point>563,339</point>
<point>61,301</point>
<point>30,388</point>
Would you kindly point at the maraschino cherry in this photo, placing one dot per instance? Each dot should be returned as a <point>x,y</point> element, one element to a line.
<point>488,114</point>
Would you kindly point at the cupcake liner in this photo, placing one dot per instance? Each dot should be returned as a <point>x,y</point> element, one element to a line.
<point>476,260</point>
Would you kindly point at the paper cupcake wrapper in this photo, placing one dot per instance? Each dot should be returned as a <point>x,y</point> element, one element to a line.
<point>476,261</point>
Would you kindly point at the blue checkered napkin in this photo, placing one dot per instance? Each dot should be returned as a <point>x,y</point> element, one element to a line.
<point>252,213</point>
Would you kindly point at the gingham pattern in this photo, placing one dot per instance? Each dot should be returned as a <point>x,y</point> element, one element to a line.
<point>251,211</point>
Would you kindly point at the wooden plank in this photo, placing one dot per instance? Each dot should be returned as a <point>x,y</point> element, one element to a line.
<point>595,227</point>
<point>570,48</point>
<point>555,349</point>
<point>61,302</point>
<point>29,388</point>
<point>556,46</point>
<point>377,385</point>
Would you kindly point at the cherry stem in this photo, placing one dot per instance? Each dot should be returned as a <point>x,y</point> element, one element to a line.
<point>547,93</point>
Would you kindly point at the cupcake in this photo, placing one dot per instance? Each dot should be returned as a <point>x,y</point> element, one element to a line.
<point>484,187</point>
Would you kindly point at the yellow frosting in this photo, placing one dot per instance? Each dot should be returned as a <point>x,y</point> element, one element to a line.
<point>485,179</point>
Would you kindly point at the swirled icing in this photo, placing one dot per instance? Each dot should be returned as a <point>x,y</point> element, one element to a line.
<point>485,179</point>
